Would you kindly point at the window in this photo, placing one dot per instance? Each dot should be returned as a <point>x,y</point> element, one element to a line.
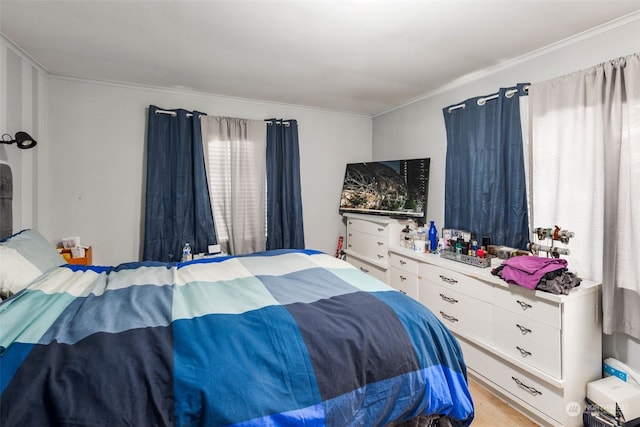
<point>235,153</point>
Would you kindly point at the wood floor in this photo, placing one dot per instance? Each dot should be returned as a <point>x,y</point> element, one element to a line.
<point>491,411</point>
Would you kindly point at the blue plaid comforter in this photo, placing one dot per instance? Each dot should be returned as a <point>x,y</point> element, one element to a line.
<point>269,339</point>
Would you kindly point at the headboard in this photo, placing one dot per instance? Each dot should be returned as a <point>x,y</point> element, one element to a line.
<point>6,196</point>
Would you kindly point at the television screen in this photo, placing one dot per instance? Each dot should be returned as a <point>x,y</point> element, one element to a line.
<point>392,188</point>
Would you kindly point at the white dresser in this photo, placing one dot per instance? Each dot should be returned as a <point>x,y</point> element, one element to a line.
<point>535,349</point>
<point>368,241</point>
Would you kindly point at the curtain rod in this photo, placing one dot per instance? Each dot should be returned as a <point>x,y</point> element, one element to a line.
<point>172,113</point>
<point>279,122</point>
<point>481,101</point>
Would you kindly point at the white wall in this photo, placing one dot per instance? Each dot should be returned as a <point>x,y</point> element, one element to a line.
<point>94,188</point>
<point>418,129</point>
<point>22,108</point>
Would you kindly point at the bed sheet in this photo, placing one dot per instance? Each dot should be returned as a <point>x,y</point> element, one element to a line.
<point>292,337</point>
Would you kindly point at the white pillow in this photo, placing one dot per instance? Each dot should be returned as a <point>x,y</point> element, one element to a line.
<point>23,258</point>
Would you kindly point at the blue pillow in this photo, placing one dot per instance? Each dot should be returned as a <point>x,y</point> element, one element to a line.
<point>23,258</point>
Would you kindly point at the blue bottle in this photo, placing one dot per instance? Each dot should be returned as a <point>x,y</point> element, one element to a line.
<point>433,237</point>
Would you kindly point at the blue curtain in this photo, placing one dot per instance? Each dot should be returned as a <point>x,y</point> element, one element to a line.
<point>485,184</point>
<point>177,208</point>
<point>285,229</point>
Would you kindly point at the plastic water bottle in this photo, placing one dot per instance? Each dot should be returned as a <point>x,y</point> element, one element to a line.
<point>186,252</point>
<point>433,237</point>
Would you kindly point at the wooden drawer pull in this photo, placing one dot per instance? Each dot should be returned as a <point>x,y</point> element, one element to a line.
<point>531,390</point>
<point>448,299</point>
<point>523,352</point>
<point>524,305</point>
<point>448,280</point>
<point>524,330</point>
<point>448,317</point>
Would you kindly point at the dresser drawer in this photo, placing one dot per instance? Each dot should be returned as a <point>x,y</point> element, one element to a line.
<point>456,281</point>
<point>464,325</point>
<point>405,282</point>
<point>368,227</point>
<point>374,248</point>
<point>403,263</point>
<point>442,297</point>
<point>546,399</point>
<point>529,341</point>
<point>523,302</point>
<point>375,271</point>
<point>460,313</point>
<point>519,384</point>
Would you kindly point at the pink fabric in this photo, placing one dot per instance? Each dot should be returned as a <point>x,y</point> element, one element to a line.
<point>527,271</point>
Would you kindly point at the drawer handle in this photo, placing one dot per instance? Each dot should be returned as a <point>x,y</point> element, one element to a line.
<point>364,269</point>
<point>380,229</point>
<point>523,352</point>
<point>380,243</point>
<point>448,299</point>
<point>524,330</point>
<point>350,245</point>
<point>402,262</point>
<point>350,235</point>
<point>448,317</point>
<point>403,278</point>
<point>380,256</point>
<point>524,305</point>
<point>448,280</point>
<point>531,390</point>
<point>350,223</point>
<point>403,292</point>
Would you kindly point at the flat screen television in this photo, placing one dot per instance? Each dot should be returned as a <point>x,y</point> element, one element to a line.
<point>396,188</point>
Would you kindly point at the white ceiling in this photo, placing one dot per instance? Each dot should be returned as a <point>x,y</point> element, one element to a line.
<point>357,56</point>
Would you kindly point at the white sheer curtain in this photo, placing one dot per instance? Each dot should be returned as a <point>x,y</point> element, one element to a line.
<point>235,158</point>
<point>585,139</point>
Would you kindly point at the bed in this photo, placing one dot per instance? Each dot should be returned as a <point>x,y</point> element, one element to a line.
<point>278,338</point>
